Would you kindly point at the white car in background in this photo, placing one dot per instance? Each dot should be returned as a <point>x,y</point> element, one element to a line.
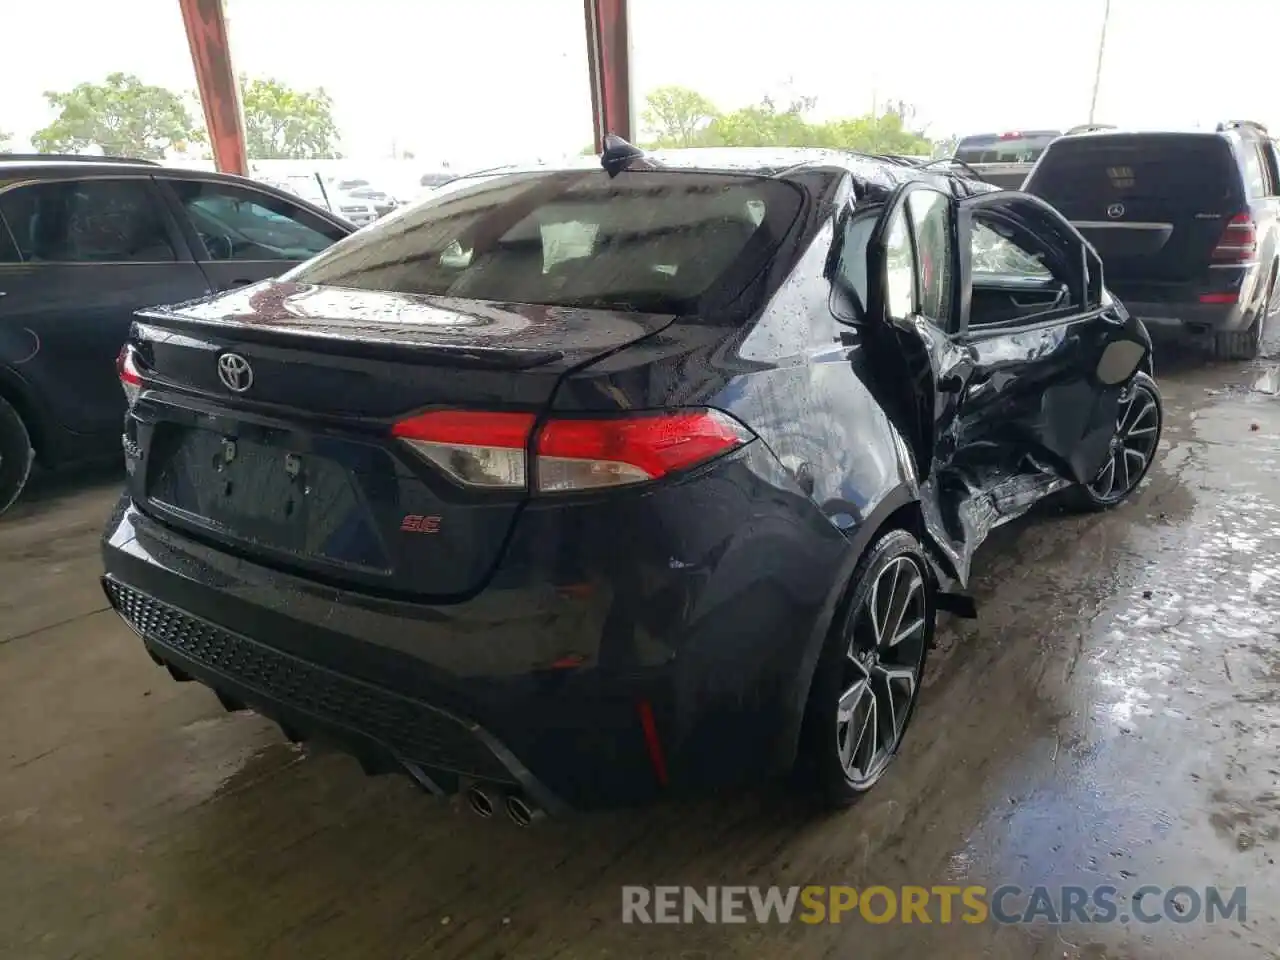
<point>359,210</point>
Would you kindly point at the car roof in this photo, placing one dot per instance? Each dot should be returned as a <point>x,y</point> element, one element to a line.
<point>1246,130</point>
<point>59,166</point>
<point>762,161</point>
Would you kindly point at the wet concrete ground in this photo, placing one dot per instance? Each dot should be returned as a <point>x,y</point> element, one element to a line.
<point>1113,717</point>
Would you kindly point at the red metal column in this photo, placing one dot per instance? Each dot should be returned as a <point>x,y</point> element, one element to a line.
<point>219,90</point>
<point>609,62</point>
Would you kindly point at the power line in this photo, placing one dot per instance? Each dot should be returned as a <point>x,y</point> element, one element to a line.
<point>1102,46</point>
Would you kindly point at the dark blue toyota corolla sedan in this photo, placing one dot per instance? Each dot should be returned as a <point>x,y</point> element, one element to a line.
<point>576,487</point>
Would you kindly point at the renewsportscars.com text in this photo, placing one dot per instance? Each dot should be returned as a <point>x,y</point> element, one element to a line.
<point>1008,904</point>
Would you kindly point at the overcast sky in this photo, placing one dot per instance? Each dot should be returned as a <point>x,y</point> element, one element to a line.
<point>478,79</point>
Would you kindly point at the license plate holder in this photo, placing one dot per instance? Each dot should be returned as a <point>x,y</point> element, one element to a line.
<point>261,493</point>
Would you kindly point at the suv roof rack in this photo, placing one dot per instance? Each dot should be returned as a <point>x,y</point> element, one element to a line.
<point>74,158</point>
<point>1089,128</point>
<point>1237,124</point>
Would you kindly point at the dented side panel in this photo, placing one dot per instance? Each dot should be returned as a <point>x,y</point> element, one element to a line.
<point>999,418</point>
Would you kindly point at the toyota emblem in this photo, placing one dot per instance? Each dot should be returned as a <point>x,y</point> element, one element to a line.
<point>234,372</point>
<point>1115,211</point>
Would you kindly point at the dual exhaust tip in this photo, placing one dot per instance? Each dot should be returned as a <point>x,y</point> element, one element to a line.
<point>519,811</point>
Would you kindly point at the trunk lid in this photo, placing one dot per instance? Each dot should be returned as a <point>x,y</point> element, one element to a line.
<point>1153,205</point>
<point>298,468</point>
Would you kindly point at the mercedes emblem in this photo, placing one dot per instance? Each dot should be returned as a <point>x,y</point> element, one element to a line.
<point>234,372</point>
<point>1115,211</point>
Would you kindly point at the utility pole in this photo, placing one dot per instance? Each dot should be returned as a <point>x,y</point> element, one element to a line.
<point>1102,46</point>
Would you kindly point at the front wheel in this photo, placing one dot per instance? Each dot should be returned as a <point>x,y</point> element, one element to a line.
<point>867,681</point>
<point>1133,447</point>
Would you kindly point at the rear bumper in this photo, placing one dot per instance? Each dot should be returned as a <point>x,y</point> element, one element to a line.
<point>1191,317</point>
<point>1221,303</point>
<point>649,680</point>
<point>385,731</point>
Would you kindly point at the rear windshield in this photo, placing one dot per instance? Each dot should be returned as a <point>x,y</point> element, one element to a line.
<point>654,241</point>
<point>1191,173</point>
<point>1004,148</point>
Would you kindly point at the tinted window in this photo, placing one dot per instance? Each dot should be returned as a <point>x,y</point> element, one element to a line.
<point>661,241</point>
<point>1188,174</point>
<point>241,224</point>
<point>87,221</point>
<point>8,245</point>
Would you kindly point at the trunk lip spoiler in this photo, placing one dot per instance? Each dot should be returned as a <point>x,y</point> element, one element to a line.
<point>346,344</point>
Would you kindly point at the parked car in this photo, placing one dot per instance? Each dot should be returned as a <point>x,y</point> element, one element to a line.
<point>84,242</point>
<point>436,179</point>
<point>1004,159</point>
<point>576,487</point>
<point>383,202</point>
<point>357,210</point>
<point>1187,223</point>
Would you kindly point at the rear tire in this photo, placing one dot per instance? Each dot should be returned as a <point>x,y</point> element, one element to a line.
<point>867,681</point>
<point>1239,344</point>
<point>1246,344</point>
<point>16,455</point>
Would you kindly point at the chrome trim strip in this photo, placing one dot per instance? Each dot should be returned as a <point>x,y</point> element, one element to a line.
<point>1121,225</point>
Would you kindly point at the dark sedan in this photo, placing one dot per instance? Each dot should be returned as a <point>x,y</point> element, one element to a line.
<point>579,487</point>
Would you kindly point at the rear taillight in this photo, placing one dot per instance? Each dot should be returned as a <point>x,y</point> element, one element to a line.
<point>489,450</point>
<point>1239,241</point>
<point>130,378</point>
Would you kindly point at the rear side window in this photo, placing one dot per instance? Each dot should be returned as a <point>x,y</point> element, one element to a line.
<point>1255,176</point>
<point>1011,148</point>
<point>1174,174</point>
<point>87,221</point>
<point>657,241</point>
<point>236,223</point>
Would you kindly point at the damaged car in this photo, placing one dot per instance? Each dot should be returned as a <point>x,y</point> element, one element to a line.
<point>576,488</point>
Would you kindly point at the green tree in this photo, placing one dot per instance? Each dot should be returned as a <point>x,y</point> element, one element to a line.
<point>281,123</point>
<point>677,116</point>
<point>121,116</point>
<point>765,125</point>
<point>874,134</point>
<point>4,140</point>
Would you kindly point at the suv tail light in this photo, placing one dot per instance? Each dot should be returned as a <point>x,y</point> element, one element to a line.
<point>1239,242</point>
<point>489,450</point>
<point>130,378</point>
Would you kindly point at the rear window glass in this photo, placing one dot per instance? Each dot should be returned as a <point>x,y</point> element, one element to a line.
<point>995,149</point>
<point>1188,173</point>
<point>655,241</point>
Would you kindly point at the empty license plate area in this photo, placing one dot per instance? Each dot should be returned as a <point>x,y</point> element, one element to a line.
<point>262,489</point>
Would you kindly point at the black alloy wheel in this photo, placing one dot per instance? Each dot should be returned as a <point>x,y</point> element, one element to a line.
<point>868,680</point>
<point>1133,447</point>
